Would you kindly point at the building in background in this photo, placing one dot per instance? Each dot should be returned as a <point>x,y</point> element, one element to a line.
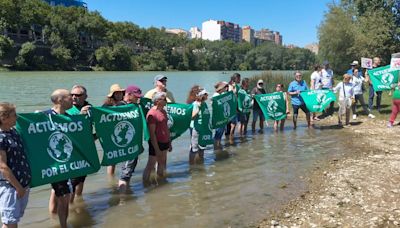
<point>268,35</point>
<point>314,47</point>
<point>277,38</point>
<point>248,35</point>
<point>67,3</point>
<point>221,30</point>
<point>177,31</point>
<point>195,33</point>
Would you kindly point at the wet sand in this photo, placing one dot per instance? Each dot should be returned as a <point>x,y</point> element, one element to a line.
<point>355,189</point>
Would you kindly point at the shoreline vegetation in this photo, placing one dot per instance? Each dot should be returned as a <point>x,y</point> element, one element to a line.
<point>37,36</point>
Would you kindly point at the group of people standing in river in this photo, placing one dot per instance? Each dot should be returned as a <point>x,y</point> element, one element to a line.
<point>14,167</point>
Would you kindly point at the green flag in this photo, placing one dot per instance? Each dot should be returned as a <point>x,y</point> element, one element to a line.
<point>73,111</point>
<point>317,100</point>
<point>179,117</point>
<point>244,101</point>
<point>202,124</point>
<point>120,132</point>
<point>58,147</point>
<point>223,109</point>
<point>146,104</point>
<point>383,78</point>
<point>273,105</point>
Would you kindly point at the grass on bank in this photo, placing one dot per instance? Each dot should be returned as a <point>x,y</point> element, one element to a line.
<point>271,78</point>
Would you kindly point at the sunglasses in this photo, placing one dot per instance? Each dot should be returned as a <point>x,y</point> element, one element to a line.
<point>76,94</point>
<point>163,80</point>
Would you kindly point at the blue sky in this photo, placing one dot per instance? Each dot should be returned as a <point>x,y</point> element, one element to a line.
<point>296,20</point>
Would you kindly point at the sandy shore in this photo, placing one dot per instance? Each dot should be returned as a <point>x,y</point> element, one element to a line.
<point>357,190</point>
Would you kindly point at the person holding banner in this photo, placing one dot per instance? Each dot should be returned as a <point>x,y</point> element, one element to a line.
<point>14,169</point>
<point>358,81</point>
<point>115,96</point>
<point>160,140</point>
<point>257,112</point>
<point>220,88</point>
<point>245,106</point>
<point>327,83</point>
<point>294,90</point>
<point>279,89</point>
<point>132,96</point>
<point>376,63</point>
<point>395,105</point>
<point>200,109</point>
<point>234,86</point>
<point>315,83</point>
<point>346,97</point>
<point>160,83</point>
<point>60,194</point>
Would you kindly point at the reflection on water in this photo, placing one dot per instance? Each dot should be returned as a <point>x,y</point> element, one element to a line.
<point>235,186</point>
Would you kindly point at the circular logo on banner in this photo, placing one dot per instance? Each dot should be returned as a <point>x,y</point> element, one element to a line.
<point>227,110</point>
<point>170,121</point>
<point>247,102</point>
<point>123,133</point>
<point>321,97</point>
<point>272,106</point>
<point>387,78</point>
<point>60,147</point>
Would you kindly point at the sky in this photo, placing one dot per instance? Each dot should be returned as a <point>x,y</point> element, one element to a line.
<point>296,20</point>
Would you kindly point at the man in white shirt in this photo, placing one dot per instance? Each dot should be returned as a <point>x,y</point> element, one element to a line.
<point>327,83</point>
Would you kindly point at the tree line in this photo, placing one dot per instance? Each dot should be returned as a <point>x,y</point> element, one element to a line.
<point>352,29</point>
<point>66,38</point>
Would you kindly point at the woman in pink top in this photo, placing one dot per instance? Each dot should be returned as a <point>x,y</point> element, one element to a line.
<point>160,141</point>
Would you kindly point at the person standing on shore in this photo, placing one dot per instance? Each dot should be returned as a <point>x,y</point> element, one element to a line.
<point>294,90</point>
<point>358,81</point>
<point>376,63</point>
<point>79,96</point>
<point>132,96</point>
<point>160,83</point>
<point>220,88</point>
<point>15,173</point>
<point>160,140</point>
<point>115,96</point>
<point>327,83</point>
<point>346,95</point>
<point>279,89</point>
<point>60,194</point>
<point>257,112</point>
<point>315,84</point>
<point>395,105</point>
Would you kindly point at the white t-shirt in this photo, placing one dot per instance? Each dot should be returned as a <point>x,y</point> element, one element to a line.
<point>348,90</point>
<point>357,82</point>
<point>327,78</point>
<point>316,76</point>
<point>196,107</point>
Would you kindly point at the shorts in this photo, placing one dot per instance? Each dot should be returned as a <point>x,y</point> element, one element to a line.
<point>162,146</point>
<point>244,117</point>
<point>258,113</point>
<point>302,107</point>
<point>77,180</point>
<point>235,119</point>
<point>61,188</point>
<point>11,208</point>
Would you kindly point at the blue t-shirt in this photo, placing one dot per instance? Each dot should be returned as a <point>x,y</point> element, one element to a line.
<point>297,86</point>
<point>11,143</point>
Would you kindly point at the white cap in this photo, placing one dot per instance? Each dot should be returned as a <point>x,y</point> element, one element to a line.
<point>260,81</point>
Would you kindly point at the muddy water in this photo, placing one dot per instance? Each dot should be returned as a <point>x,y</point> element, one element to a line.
<point>235,187</point>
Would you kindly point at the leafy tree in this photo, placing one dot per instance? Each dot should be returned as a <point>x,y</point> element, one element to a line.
<point>26,58</point>
<point>5,45</point>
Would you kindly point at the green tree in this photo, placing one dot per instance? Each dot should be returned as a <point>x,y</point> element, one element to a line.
<point>5,45</point>
<point>26,58</point>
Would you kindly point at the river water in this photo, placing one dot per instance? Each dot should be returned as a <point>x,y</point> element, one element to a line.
<point>235,187</point>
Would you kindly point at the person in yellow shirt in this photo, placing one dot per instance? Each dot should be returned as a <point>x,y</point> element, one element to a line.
<point>160,83</point>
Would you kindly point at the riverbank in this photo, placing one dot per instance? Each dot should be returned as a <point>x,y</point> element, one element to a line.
<point>355,190</point>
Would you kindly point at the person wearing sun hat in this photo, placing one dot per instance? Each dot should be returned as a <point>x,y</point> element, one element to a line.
<point>114,97</point>
<point>353,65</point>
<point>160,83</point>
<point>220,88</point>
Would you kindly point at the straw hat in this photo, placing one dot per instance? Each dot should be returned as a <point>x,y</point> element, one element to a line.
<point>220,85</point>
<point>115,88</point>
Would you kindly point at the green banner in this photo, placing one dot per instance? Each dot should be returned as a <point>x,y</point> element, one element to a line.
<point>146,105</point>
<point>273,105</point>
<point>120,132</point>
<point>73,111</point>
<point>58,147</point>
<point>202,124</point>
<point>383,78</point>
<point>223,109</point>
<point>244,101</point>
<point>317,100</point>
<point>179,117</point>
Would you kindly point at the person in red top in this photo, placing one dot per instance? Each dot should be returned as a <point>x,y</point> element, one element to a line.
<point>160,141</point>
